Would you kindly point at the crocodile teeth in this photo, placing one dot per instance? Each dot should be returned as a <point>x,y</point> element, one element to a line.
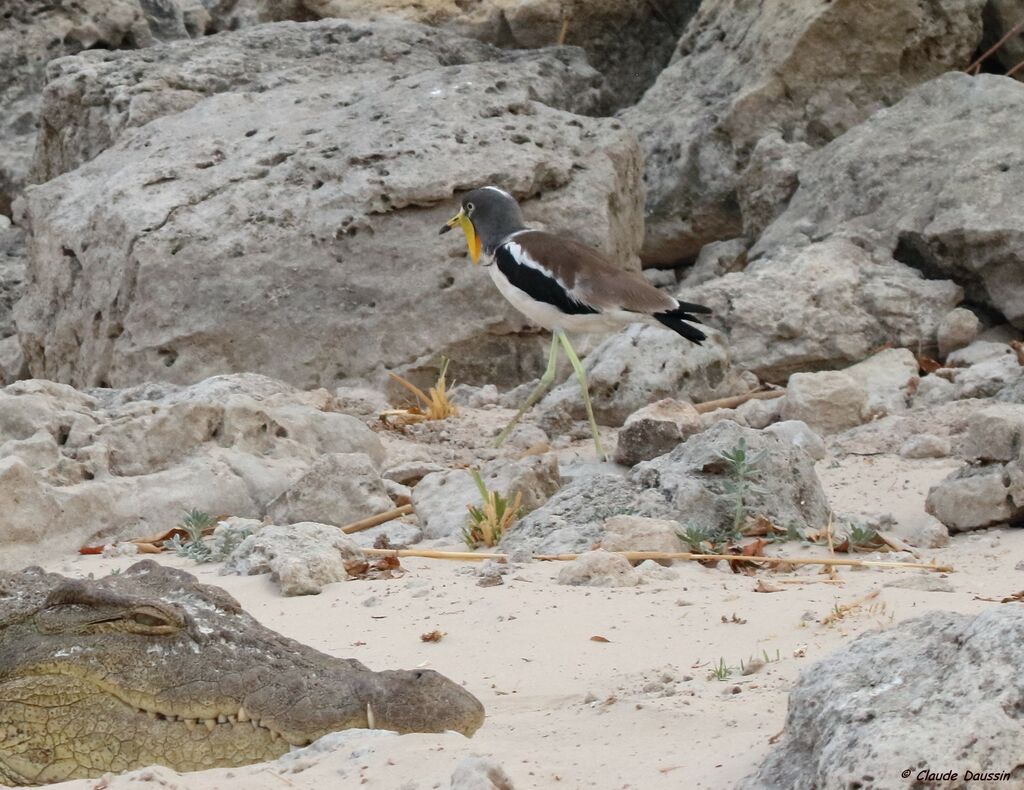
<point>242,715</point>
<point>222,719</point>
<point>210,724</point>
<point>190,724</point>
<point>151,714</point>
<point>369,716</point>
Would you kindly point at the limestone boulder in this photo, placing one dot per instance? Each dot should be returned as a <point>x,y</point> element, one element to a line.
<point>635,533</point>
<point>101,466</point>
<point>34,32</point>
<point>638,366</point>
<point>688,486</point>
<point>183,150</point>
<point>904,699</point>
<point>828,402</point>
<point>895,182</point>
<point>804,72</point>
<point>629,41</point>
<point>840,304</point>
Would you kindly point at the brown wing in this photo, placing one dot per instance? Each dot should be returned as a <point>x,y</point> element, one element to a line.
<point>590,277</point>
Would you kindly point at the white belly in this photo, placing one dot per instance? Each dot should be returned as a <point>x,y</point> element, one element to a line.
<point>552,318</point>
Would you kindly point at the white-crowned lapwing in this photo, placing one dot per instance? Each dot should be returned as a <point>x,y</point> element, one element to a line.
<point>562,285</point>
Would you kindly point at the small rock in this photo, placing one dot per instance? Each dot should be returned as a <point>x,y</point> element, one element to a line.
<point>760,412</point>
<point>660,278</point>
<point>829,402</point>
<point>996,433</point>
<point>959,328</point>
<point>655,429</point>
<point>490,573</point>
<point>599,569</point>
<point>636,533</point>
<point>302,558</point>
<point>932,534</point>
<point>972,497</point>
<point>926,445</point>
<point>120,550</point>
<point>716,259</point>
<point>799,434</point>
<point>929,583</point>
<point>398,534</point>
<point>480,773</point>
<point>653,570</point>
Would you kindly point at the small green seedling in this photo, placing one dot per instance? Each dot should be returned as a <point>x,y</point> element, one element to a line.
<point>721,671</point>
<point>743,473</point>
<point>196,547</point>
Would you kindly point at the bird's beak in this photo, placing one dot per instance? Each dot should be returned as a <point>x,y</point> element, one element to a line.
<point>472,240</point>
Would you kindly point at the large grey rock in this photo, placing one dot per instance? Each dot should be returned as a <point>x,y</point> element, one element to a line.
<point>187,148</point>
<point>826,305</point>
<point>715,260</point>
<point>34,32</point>
<point>694,478</point>
<point>688,485</point>
<point>828,402</point>
<point>302,558</point>
<point>629,41</point>
<point>802,71</point>
<point>897,182</point>
<point>905,700</point>
<point>638,366</point>
<point>109,465</point>
<point>440,498</point>
<point>799,434</point>
<point>973,497</point>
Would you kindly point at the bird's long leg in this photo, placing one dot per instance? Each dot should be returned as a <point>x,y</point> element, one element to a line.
<point>545,382</point>
<point>582,376</point>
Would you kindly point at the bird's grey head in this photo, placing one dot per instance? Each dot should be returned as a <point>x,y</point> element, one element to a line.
<point>488,215</point>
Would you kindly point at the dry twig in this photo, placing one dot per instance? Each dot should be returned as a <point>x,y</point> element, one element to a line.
<point>737,400</point>
<point>380,518</point>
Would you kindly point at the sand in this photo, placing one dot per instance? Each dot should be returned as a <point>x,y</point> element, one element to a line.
<point>639,710</point>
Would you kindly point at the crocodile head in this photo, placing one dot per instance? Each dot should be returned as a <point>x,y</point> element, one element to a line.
<point>149,666</point>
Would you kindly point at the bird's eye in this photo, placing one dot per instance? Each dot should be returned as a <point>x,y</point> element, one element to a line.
<point>469,208</point>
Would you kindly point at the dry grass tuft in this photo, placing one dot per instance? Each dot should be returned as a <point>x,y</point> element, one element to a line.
<point>488,523</point>
<point>432,405</point>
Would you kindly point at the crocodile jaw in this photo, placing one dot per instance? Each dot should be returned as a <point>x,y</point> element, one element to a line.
<point>59,725</point>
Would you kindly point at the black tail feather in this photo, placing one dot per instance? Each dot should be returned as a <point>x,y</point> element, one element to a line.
<point>676,320</point>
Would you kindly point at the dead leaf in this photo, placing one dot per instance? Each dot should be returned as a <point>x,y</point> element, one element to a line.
<point>927,364</point>
<point>753,549</point>
<point>1018,348</point>
<point>761,526</point>
<point>763,586</point>
<point>599,639</point>
<point>733,619</point>
<point>432,636</point>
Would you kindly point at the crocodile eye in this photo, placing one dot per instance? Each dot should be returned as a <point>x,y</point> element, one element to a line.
<point>147,619</point>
